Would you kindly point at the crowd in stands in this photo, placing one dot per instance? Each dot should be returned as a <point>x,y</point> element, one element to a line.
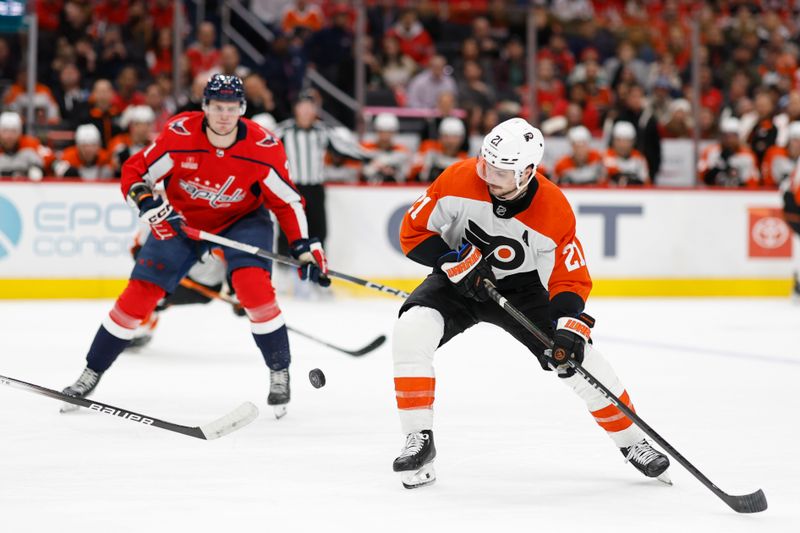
<point>614,77</point>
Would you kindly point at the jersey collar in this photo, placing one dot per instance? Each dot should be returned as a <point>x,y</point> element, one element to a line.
<point>511,208</point>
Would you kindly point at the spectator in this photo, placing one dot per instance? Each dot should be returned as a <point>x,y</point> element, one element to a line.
<point>764,133</point>
<point>482,33</point>
<point>471,53</point>
<point>550,91</point>
<point>510,71</point>
<point>728,163</point>
<point>624,165</point>
<point>678,120</point>
<point>780,162</point>
<point>159,57</point>
<point>584,166</point>
<point>413,39</point>
<point>626,60</point>
<point>138,120</point>
<point>302,16</point>
<point>230,62</point>
<point>195,101</point>
<point>434,156</point>
<point>790,114</point>
<point>472,90</point>
<point>45,105</point>
<point>397,68</point>
<point>331,47</point>
<point>102,111</point>
<point>112,54</point>
<point>86,159</point>
<point>648,137</point>
<point>21,155</point>
<point>390,161</point>
<point>259,97</point>
<point>425,87</point>
<point>202,54</point>
<point>559,54</point>
<point>127,92</point>
<point>154,99</point>
<point>710,96</point>
<point>9,61</point>
<point>72,98</point>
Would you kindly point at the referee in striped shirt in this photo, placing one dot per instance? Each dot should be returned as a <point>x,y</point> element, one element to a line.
<point>306,140</point>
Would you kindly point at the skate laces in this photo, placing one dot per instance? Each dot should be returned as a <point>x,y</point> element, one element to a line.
<point>279,379</point>
<point>87,380</point>
<point>414,443</point>
<point>641,453</point>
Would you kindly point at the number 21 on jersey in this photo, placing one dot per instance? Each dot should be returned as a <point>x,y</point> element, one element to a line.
<point>574,259</point>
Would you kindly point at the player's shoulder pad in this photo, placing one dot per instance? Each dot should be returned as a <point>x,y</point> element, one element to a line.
<point>259,136</point>
<point>461,179</point>
<point>184,124</point>
<point>550,212</point>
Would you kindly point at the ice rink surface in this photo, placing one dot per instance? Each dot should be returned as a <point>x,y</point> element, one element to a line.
<point>719,379</point>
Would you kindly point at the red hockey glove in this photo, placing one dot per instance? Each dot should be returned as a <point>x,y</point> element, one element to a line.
<point>571,337</point>
<point>315,264</point>
<point>467,269</point>
<point>164,222</point>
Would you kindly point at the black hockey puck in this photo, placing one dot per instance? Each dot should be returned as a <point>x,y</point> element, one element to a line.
<point>317,378</point>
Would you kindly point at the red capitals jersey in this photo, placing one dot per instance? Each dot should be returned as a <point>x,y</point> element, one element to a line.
<point>212,187</point>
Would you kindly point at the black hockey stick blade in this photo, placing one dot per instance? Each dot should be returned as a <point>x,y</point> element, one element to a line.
<point>747,503</point>
<point>236,419</point>
<point>355,353</point>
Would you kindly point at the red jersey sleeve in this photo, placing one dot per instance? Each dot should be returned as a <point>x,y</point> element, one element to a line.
<point>282,198</point>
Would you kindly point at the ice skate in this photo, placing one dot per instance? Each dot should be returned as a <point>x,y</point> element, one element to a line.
<point>648,460</point>
<point>415,462</point>
<point>81,388</point>
<point>279,392</point>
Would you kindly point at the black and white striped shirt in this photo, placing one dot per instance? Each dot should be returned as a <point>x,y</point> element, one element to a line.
<point>305,149</point>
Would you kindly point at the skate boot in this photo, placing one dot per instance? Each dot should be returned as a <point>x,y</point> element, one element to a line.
<point>647,460</point>
<point>81,388</point>
<point>279,392</point>
<point>415,462</point>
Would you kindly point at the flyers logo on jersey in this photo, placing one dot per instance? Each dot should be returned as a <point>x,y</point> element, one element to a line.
<point>215,195</point>
<point>502,253</point>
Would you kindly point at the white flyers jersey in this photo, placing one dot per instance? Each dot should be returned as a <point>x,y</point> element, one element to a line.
<point>534,236</point>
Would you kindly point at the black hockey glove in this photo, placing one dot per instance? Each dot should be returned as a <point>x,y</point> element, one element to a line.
<point>164,222</point>
<point>315,264</point>
<point>571,337</point>
<point>467,269</point>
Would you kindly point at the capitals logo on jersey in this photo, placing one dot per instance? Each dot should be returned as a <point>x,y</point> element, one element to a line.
<point>215,194</point>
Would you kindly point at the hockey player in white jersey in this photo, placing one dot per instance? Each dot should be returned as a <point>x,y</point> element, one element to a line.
<point>495,218</point>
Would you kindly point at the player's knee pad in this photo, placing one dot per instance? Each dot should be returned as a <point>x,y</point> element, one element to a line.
<point>253,287</point>
<point>417,334</point>
<point>597,365</point>
<point>136,302</point>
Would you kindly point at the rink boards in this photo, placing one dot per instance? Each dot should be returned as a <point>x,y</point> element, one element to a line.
<point>71,240</point>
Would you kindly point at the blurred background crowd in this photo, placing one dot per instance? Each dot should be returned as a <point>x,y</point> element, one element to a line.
<point>609,81</point>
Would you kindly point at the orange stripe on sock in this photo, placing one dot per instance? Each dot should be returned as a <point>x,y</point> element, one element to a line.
<point>611,418</point>
<point>414,393</point>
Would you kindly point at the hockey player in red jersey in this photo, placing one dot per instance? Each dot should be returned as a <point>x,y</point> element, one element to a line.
<point>495,218</point>
<point>220,173</point>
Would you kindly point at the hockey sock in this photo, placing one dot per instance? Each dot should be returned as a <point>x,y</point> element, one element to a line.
<point>417,334</point>
<point>619,427</point>
<point>253,286</point>
<point>135,303</point>
<point>796,260</point>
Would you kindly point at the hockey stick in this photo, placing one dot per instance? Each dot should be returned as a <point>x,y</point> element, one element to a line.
<point>209,293</point>
<point>236,419</point>
<point>748,503</point>
<point>200,235</point>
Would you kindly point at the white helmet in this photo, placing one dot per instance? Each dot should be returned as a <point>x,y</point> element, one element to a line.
<point>514,145</point>
<point>87,134</point>
<point>794,130</point>
<point>623,130</point>
<point>579,134</point>
<point>386,122</point>
<point>452,126</point>
<point>730,125</point>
